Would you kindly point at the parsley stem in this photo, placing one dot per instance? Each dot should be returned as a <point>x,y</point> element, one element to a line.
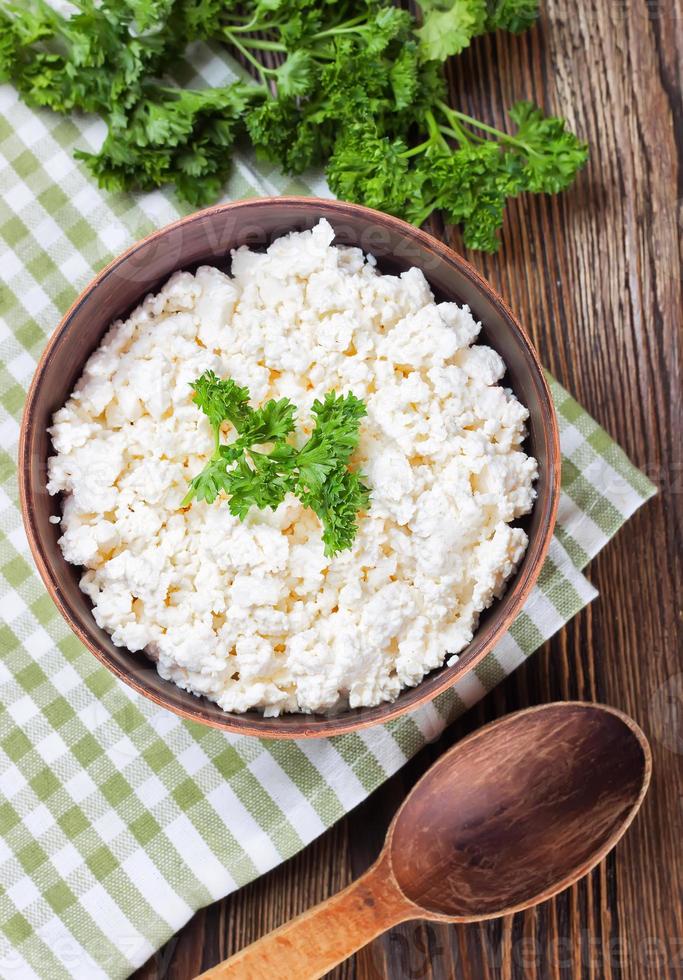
<point>436,136</point>
<point>454,114</point>
<point>263,72</point>
<point>461,134</point>
<point>260,44</point>
<point>451,132</point>
<point>252,25</point>
<point>321,53</point>
<point>414,150</point>
<point>345,27</point>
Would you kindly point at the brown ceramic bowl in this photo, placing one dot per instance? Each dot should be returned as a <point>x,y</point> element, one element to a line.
<point>207,237</point>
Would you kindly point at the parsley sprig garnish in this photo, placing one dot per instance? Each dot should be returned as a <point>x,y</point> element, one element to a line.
<point>356,85</point>
<point>318,472</point>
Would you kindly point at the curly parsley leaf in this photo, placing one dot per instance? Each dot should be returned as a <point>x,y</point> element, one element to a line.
<point>388,25</point>
<point>222,400</point>
<point>269,423</point>
<point>405,75</point>
<point>337,421</point>
<point>337,504</point>
<point>201,17</point>
<point>511,15</point>
<point>256,482</point>
<point>318,473</point>
<point>97,59</point>
<point>373,168</point>
<point>149,15</point>
<point>448,27</point>
<point>550,154</point>
<point>297,75</point>
<point>174,135</point>
<point>280,134</point>
<point>208,484</point>
<point>333,440</point>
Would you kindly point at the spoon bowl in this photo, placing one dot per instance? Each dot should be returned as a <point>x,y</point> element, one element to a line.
<point>507,818</point>
<point>518,810</point>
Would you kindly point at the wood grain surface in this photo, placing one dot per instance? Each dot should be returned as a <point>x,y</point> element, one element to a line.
<point>595,275</point>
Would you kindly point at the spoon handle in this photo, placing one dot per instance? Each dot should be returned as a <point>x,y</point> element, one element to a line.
<point>315,942</point>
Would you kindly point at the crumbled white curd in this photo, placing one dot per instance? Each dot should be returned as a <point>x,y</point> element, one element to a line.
<point>252,614</point>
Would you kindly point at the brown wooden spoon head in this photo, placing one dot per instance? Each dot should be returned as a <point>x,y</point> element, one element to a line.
<point>519,811</point>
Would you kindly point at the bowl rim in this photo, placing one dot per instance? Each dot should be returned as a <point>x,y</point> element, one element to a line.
<point>434,683</point>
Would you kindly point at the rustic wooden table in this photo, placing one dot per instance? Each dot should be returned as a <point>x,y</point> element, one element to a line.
<point>595,274</point>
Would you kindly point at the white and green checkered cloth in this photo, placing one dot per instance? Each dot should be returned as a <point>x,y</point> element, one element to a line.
<point>117,819</point>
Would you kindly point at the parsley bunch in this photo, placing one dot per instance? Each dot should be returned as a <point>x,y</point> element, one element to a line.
<point>354,85</point>
<point>318,472</point>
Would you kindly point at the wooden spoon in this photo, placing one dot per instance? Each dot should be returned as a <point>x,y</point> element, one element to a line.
<point>507,818</point>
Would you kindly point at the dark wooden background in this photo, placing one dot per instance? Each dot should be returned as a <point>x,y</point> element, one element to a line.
<point>595,275</point>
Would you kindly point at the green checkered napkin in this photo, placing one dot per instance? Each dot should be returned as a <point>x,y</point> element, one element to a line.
<point>117,819</point>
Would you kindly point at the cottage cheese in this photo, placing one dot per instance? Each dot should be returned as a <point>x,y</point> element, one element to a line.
<point>252,614</point>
